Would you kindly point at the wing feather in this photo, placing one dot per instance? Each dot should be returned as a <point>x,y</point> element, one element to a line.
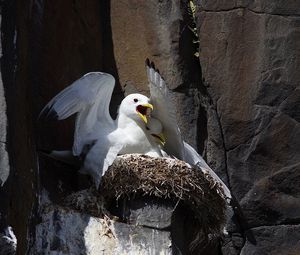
<point>89,97</point>
<point>99,158</point>
<point>164,111</point>
<point>192,157</point>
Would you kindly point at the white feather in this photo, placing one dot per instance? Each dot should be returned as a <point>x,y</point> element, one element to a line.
<point>165,112</point>
<point>192,157</point>
<point>89,97</point>
<point>97,135</point>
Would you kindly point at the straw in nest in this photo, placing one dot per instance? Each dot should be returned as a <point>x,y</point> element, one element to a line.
<point>169,179</point>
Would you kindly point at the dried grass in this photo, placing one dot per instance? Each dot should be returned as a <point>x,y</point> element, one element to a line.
<point>169,179</point>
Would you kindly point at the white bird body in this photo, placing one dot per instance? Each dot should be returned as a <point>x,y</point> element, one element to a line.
<point>134,137</point>
<point>97,135</point>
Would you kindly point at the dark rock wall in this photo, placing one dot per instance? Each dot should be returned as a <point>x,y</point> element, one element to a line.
<point>249,55</point>
<point>20,187</point>
<point>238,103</point>
<point>4,160</point>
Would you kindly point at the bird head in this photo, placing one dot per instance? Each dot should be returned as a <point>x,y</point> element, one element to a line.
<point>136,106</point>
<point>155,128</point>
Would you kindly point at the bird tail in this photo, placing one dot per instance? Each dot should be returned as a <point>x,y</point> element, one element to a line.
<point>66,157</point>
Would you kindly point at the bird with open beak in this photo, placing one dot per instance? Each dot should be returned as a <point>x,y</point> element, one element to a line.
<point>99,138</point>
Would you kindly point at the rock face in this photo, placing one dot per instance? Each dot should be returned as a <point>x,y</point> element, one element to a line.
<point>249,59</point>
<point>238,103</point>
<point>144,205</point>
<point>274,234</point>
<point>7,52</point>
<point>68,232</point>
<point>158,30</point>
<point>4,161</point>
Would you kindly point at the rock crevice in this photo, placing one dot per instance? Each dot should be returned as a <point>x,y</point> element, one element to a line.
<point>242,8</point>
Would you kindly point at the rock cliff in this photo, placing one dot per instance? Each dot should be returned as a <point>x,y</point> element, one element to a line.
<point>237,102</point>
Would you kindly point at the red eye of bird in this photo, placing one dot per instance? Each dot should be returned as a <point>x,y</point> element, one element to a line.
<point>135,100</point>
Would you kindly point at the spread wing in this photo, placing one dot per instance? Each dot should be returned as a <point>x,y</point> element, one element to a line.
<point>89,97</point>
<point>192,157</point>
<point>164,111</point>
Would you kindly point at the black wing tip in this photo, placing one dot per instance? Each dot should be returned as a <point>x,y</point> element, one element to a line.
<point>147,62</point>
<point>52,114</point>
<point>48,113</point>
<point>151,65</point>
<point>44,151</point>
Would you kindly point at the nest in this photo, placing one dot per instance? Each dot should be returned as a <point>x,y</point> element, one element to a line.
<point>171,179</point>
<point>86,201</point>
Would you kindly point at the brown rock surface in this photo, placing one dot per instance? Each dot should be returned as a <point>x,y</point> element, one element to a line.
<point>250,60</point>
<point>280,8</point>
<point>245,114</point>
<point>158,30</point>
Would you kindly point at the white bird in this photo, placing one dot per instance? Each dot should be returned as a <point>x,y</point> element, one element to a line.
<point>101,139</point>
<point>97,135</point>
<point>163,121</point>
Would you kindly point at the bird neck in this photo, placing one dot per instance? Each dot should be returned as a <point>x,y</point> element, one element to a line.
<point>124,122</point>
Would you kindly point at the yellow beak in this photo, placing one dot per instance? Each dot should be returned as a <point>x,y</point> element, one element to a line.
<point>148,105</point>
<point>160,138</point>
<point>144,116</point>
